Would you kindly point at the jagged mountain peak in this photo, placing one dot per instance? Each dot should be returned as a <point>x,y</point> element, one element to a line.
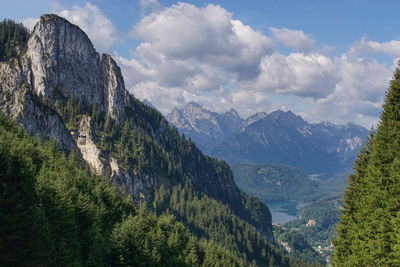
<point>205,126</point>
<point>253,118</point>
<point>232,112</point>
<point>285,115</point>
<point>62,61</point>
<point>194,104</point>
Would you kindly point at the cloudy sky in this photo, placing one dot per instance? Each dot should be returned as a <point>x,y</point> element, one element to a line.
<point>324,60</point>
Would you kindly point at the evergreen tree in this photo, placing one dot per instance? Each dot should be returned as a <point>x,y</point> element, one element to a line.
<point>368,233</point>
<point>13,39</point>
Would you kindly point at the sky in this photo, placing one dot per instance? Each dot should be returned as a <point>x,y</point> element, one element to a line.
<point>323,60</point>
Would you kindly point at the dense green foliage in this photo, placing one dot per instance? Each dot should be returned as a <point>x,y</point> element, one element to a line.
<point>315,227</point>
<point>325,214</point>
<point>13,38</point>
<point>299,246</point>
<point>270,182</point>
<point>212,220</point>
<point>53,213</point>
<point>368,231</point>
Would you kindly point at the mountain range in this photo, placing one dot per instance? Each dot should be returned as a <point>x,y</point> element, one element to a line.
<point>279,137</point>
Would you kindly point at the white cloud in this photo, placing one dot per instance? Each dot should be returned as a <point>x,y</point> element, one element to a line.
<point>150,6</point>
<point>359,94</point>
<point>391,48</point>
<point>248,102</point>
<point>183,35</point>
<point>312,75</point>
<point>29,23</point>
<point>192,54</point>
<point>295,39</point>
<point>91,19</point>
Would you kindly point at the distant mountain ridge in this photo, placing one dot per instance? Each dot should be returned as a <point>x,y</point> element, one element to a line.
<point>205,127</point>
<point>279,137</point>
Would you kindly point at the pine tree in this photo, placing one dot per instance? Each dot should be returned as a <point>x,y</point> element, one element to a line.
<point>368,233</point>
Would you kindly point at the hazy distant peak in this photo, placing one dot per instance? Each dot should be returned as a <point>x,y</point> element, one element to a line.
<point>148,103</point>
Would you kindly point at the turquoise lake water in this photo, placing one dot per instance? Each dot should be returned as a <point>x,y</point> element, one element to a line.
<point>283,211</point>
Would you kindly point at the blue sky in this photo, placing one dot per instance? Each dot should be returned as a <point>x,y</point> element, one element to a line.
<point>324,60</point>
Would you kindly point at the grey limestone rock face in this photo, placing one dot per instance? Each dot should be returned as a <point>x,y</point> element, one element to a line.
<point>61,62</point>
<point>60,59</point>
<point>207,128</point>
<point>90,152</point>
<point>19,101</point>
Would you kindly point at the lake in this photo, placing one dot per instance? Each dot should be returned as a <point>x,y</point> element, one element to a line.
<point>283,211</point>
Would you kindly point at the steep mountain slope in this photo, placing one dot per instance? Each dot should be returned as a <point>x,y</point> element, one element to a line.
<point>61,89</point>
<point>205,127</point>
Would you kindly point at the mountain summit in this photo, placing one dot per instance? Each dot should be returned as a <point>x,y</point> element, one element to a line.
<point>207,128</point>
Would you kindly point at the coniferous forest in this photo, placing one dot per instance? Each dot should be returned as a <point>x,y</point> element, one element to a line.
<point>369,227</point>
<point>13,38</point>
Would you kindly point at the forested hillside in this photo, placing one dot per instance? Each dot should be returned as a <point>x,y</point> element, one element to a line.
<point>368,231</point>
<point>270,182</point>
<point>13,38</point>
<point>54,213</point>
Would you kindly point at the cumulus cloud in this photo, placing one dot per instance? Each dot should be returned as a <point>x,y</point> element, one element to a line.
<point>197,54</point>
<point>391,48</point>
<point>149,6</point>
<point>295,39</point>
<point>359,95</point>
<point>248,102</point>
<point>91,19</point>
<point>311,75</point>
<point>29,23</point>
<point>183,36</point>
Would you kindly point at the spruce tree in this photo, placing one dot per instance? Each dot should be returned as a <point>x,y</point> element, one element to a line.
<point>368,233</point>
